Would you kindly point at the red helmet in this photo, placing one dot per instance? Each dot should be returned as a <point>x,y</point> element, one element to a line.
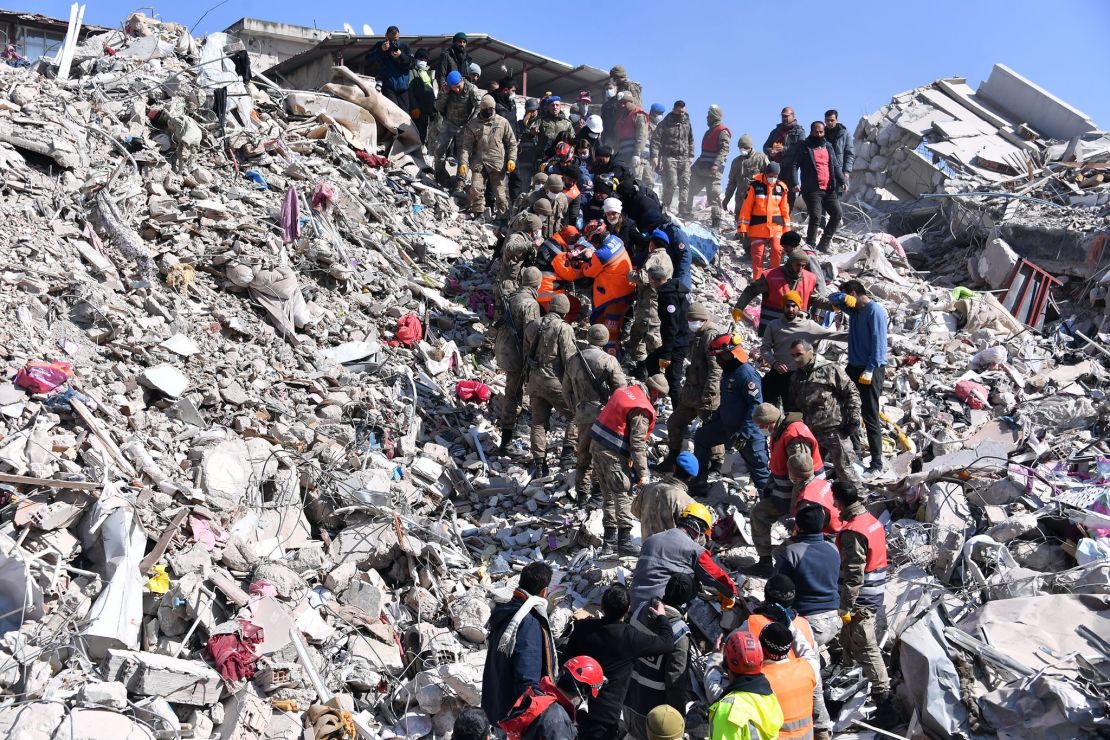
<point>595,231</point>
<point>587,671</point>
<point>743,653</point>
<point>723,343</point>
<point>562,150</point>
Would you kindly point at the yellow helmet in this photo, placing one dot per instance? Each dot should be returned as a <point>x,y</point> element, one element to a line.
<point>701,513</point>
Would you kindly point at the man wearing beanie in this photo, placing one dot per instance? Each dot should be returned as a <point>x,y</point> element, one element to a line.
<point>520,310</point>
<point>743,169</point>
<point>646,336</point>
<point>665,723</point>
<point>592,376</point>
<point>792,679</point>
<point>548,346</point>
<point>659,505</point>
<point>517,253</point>
<point>456,105</point>
<point>672,147</point>
<point>701,391</point>
<point>619,447</point>
<point>705,174</point>
<point>773,286</point>
<point>553,194</point>
<point>488,153</point>
<point>664,679</point>
<point>780,333</point>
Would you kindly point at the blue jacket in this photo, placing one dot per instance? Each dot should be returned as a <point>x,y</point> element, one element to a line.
<point>682,257</point>
<point>505,678</point>
<point>866,332</point>
<point>395,73</point>
<point>741,392</point>
<point>813,563</point>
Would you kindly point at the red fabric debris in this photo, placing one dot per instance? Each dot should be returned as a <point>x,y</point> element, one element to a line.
<point>409,331</point>
<point>262,587</point>
<point>372,160</point>
<point>43,377</point>
<point>472,390</point>
<point>323,196</point>
<point>973,394</point>
<point>234,652</point>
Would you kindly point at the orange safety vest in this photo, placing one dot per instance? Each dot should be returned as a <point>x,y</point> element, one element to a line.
<point>819,491</point>
<point>611,426</point>
<point>778,285</point>
<point>766,209</point>
<point>793,431</point>
<point>874,578</point>
<point>756,623</point>
<point>793,682</point>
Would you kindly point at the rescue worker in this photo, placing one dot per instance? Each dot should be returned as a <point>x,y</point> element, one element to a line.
<point>672,148</point>
<point>606,261</point>
<point>660,504</point>
<point>455,59</point>
<point>422,94</point>
<point>763,218</point>
<point>645,337</point>
<point>616,645</point>
<point>777,338</point>
<point>863,564</point>
<point>747,708</point>
<point>788,436</point>
<point>829,402</point>
<point>743,169</point>
<point>732,424</point>
<point>618,224</point>
<point>680,551</point>
<point>553,194</point>
<point>517,253</point>
<point>780,142</point>
<point>619,445</point>
<point>524,201</point>
<point>489,143</point>
<point>592,376</point>
<point>473,73</point>
<point>632,134</point>
<point>548,346</point>
<point>551,127</point>
<point>701,391</point>
<point>455,106</point>
<point>549,711</point>
<point>520,310</point>
<point>809,489</point>
<point>674,303</point>
<point>792,679</point>
<point>665,723</point>
<point>867,358</point>
<point>710,165</point>
<point>663,679</point>
<point>522,650</point>
<point>774,284</point>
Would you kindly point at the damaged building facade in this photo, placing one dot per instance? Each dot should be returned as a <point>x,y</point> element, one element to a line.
<point>248,412</point>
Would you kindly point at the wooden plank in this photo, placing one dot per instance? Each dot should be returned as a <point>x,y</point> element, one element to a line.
<point>26,480</point>
<point>94,426</point>
<point>163,543</point>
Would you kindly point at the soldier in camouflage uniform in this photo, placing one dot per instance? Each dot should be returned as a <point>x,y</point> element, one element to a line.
<point>591,377</point>
<point>672,148</point>
<point>548,347</point>
<point>701,391</point>
<point>830,404</point>
<point>488,150</point>
<point>456,106</point>
<point>553,194</point>
<point>517,253</point>
<point>710,164</point>
<point>520,310</point>
<point>645,337</point>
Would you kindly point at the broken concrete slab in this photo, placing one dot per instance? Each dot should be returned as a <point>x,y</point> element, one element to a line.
<point>173,679</point>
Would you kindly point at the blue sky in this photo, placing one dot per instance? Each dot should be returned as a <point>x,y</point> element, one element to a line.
<point>751,58</point>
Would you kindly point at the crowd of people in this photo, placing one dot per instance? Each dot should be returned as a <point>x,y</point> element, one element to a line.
<point>596,321</point>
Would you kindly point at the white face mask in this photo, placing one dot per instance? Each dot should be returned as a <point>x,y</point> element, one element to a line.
<point>695,325</point>
<point>421,64</point>
<point>610,92</point>
<point>745,152</point>
<point>772,180</point>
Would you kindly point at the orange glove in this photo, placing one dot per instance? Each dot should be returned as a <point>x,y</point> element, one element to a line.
<point>726,602</point>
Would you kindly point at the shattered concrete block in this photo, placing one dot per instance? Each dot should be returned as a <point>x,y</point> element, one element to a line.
<point>996,263</point>
<point>469,616</point>
<point>374,543</point>
<point>176,680</point>
<point>33,720</point>
<point>226,471</point>
<point>101,724</point>
<point>166,379</point>
<point>112,694</point>
<point>366,596</point>
<point>246,715</point>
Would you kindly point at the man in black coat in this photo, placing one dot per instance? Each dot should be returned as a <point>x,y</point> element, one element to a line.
<point>392,63</point>
<point>817,176</point>
<point>616,645</point>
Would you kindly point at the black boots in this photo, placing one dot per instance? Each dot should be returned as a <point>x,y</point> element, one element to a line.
<point>567,457</point>
<point>539,468</point>
<point>609,540</point>
<point>765,568</point>
<point>506,440</point>
<point>666,465</point>
<point>625,547</point>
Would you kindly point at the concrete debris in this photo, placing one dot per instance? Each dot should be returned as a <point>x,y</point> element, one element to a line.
<point>252,441</point>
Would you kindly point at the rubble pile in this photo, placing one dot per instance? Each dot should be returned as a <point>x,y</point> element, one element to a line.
<point>248,493</point>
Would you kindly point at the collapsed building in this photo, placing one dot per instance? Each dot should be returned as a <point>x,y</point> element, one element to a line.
<point>247,464</point>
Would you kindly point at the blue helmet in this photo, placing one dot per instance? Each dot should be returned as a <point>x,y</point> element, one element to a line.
<point>657,108</point>
<point>453,78</point>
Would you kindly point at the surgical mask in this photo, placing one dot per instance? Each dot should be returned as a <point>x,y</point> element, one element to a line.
<point>772,180</point>
<point>421,64</point>
<point>696,325</point>
<point>745,152</point>
<point>610,92</point>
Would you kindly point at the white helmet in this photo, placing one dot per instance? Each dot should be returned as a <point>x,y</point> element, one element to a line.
<point>593,123</point>
<point>612,205</point>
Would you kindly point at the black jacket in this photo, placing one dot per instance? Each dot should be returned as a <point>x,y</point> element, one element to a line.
<point>800,161</point>
<point>616,646</point>
<point>453,61</point>
<point>506,677</point>
<point>788,135</point>
<point>395,73</point>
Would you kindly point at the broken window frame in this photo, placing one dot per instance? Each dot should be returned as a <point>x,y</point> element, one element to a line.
<point>48,42</point>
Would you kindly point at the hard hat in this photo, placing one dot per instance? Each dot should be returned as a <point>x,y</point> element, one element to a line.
<point>559,304</point>
<point>586,671</point>
<point>665,723</point>
<point>453,78</point>
<point>595,231</point>
<point>699,514</point>
<point>569,233</point>
<point>743,654</point>
<point>723,343</point>
<point>531,277</point>
<point>594,124</point>
<point>612,205</point>
<point>563,150</point>
<point>740,354</point>
<point>598,335</point>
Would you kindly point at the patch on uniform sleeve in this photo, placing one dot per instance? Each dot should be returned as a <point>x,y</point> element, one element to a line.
<point>670,308</point>
<point>753,389</point>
